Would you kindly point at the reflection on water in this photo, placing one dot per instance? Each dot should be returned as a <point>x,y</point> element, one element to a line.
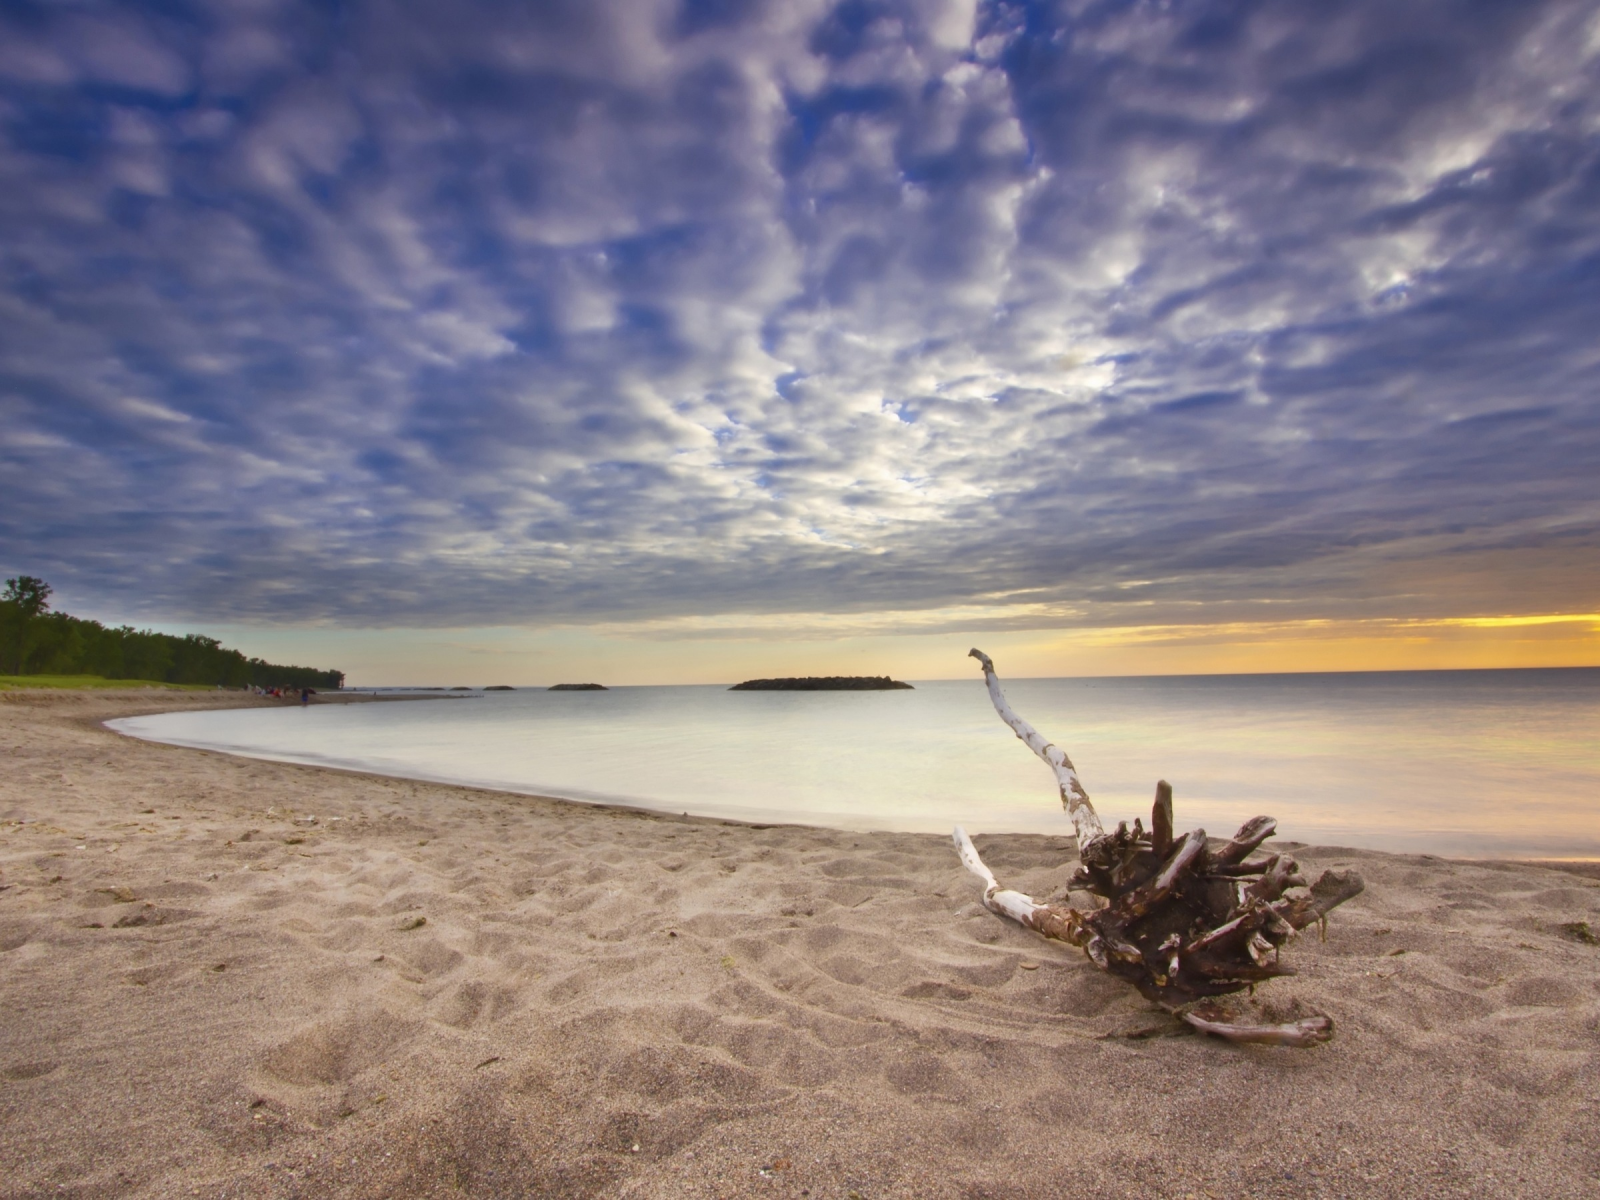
<point>1471,763</point>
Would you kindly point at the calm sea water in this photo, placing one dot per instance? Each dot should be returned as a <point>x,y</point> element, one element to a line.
<point>1458,763</point>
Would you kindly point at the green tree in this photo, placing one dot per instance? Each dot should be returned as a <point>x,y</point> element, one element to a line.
<point>29,593</point>
<point>36,641</point>
<point>13,636</point>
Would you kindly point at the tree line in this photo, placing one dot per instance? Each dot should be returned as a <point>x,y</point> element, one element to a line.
<point>36,641</point>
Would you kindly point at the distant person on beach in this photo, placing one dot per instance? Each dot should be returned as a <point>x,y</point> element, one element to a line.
<point>305,697</point>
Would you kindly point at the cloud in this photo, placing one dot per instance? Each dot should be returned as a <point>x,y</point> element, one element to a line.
<point>722,313</point>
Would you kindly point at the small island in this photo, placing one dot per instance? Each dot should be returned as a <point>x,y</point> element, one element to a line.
<point>580,687</point>
<point>823,683</point>
<point>500,687</point>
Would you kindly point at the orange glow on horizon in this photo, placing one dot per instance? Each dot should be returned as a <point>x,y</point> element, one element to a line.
<point>912,646</point>
<point>1383,644</point>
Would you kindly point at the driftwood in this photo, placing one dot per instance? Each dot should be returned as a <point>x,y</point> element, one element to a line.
<point>1184,920</point>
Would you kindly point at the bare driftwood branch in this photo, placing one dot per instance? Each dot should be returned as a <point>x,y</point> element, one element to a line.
<point>1073,798</point>
<point>1183,922</point>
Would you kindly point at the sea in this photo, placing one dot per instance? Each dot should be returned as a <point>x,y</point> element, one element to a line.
<point>1471,764</point>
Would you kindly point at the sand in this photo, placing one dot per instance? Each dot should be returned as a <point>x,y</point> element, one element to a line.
<point>221,977</point>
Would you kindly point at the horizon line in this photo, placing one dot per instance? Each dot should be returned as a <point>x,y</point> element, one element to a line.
<point>978,678</point>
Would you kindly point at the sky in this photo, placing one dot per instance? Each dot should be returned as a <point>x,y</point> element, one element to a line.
<point>690,340</point>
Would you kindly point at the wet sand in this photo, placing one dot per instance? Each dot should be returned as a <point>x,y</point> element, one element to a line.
<point>223,977</point>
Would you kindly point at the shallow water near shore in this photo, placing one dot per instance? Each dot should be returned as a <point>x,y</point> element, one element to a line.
<point>1502,764</point>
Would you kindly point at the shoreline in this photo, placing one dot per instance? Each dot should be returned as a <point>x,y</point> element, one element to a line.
<point>1579,866</point>
<point>273,979</point>
<point>1326,839</point>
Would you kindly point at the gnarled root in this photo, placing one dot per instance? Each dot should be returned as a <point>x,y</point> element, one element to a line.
<point>1184,921</point>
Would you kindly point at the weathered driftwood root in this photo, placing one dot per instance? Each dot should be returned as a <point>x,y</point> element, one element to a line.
<point>1184,921</point>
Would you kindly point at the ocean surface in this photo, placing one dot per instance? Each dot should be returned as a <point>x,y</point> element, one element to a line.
<point>1453,763</point>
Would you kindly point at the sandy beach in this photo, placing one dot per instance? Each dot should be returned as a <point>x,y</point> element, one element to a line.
<point>222,977</point>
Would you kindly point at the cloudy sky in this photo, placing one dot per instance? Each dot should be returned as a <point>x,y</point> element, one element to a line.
<point>687,339</point>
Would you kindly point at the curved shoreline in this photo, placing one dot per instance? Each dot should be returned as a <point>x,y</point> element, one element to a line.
<point>768,819</point>
<point>932,764</point>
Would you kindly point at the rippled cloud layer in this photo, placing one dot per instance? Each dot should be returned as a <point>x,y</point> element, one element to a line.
<point>648,311</point>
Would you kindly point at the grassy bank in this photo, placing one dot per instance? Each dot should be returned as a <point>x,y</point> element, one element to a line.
<point>11,682</point>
